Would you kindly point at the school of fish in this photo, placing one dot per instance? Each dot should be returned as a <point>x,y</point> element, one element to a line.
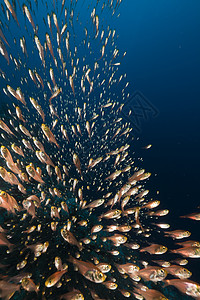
<point>76,221</point>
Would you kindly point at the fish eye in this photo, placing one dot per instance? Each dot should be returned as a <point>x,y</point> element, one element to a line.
<point>162,271</point>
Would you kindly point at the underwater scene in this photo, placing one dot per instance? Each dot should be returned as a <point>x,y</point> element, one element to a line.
<point>85,211</point>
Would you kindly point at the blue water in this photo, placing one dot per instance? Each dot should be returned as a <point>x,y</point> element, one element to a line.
<point>163,63</point>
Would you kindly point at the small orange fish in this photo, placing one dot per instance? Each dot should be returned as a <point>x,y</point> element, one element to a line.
<point>70,238</point>
<point>95,204</point>
<point>128,268</point>
<point>5,128</point>
<point>189,244</point>
<point>55,94</point>
<point>192,252</point>
<point>75,294</point>
<point>118,239</point>
<point>49,135</point>
<point>3,37</point>
<point>54,212</point>
<point>55,277</point>
<point>5,242</point>
<point>17,150</point>
<point>29,285</point>
<point>110,285</point>
<point>111,214</point>
<point>185,286</point>
<point>88,129</point>
<point>58,263</point>
<point>96,228</point>
<point>179,271</point>
<point>158,213</point>
<point>9,6</point>
<point>88,270</point>
<point>150,294</point>
<point>94,162</point>
<point>154,249</point>
<point>32,172</point>
<point>151,204</point>
<point>19,114</point>
<point>193,216</point>
<point>77,163</point>
<point>72,84</point>
<point>30,207</point>
<point>178,234</point>
<point>154,273</point>
<point>29,17</point>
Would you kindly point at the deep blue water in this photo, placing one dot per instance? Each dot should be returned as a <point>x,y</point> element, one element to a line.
<point>163,63</point>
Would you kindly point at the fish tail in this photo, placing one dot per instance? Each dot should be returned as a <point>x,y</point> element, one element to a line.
<point>172,251</point>
<point>166,234</point>
<point>166,282</point>
<point>72,260</point>
<point>11,247</point>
